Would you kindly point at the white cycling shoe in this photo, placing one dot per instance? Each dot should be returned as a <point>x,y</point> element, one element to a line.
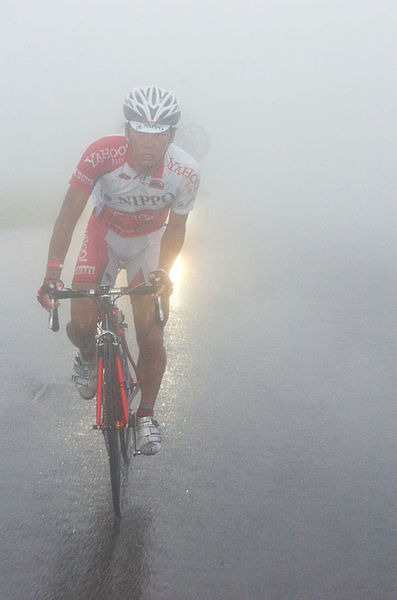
<point>148,435</point>
<point>84,376</point>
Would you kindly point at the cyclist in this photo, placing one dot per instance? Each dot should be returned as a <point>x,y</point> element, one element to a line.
<point>143,187</point>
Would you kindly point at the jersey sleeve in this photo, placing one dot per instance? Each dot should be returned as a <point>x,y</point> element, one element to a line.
<point>184,202</point>
<point>99,158</point>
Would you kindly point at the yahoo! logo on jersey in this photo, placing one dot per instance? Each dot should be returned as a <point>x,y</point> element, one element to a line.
<point>83,178</point>
<point>115,154</point>
<point>179,169</point>
<point>124,176</point>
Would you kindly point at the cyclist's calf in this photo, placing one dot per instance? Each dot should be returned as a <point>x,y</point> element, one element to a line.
<point>151,345</point>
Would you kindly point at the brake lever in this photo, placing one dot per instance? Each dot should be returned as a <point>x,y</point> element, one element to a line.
<point>53,319</point>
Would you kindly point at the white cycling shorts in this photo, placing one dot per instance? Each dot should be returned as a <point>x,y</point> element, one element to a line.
<point>104,253</point>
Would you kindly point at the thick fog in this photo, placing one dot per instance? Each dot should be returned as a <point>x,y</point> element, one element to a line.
<point>277,478</point>
<point>298,99</point>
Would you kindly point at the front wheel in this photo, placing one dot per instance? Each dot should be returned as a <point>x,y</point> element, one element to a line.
<point>132,389</point>
<point>112,432</point>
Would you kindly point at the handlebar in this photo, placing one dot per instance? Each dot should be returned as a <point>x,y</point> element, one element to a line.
<point>103,291</point>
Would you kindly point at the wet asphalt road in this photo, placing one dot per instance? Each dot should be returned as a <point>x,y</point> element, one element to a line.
<point>277,479</point>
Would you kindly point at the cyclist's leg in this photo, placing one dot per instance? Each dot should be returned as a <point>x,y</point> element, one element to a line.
<point>81,328</point>
<point>152,358</point>
<point>95,265</point>
<point>149,334</point>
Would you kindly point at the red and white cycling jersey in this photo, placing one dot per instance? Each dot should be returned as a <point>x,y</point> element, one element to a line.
<point>126,203</point>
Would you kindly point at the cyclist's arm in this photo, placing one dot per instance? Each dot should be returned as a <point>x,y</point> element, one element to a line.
<point>172,240</point>
<point>70,212</point>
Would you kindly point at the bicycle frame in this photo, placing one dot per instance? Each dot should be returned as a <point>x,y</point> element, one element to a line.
<point>115,387</point>
<point>110,326</point>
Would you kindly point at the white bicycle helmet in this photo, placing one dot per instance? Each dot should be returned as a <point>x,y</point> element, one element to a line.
<point>151,109</point>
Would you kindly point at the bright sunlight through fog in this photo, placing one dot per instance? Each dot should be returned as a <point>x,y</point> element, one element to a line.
<point>177,273</point>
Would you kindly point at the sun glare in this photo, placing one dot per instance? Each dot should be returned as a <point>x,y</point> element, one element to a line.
<point>176,272</point>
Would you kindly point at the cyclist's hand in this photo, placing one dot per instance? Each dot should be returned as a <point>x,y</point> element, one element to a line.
<point>44,293</point>
<point>162,282</point>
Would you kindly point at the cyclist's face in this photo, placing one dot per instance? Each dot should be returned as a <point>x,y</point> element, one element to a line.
<point>147,149</point>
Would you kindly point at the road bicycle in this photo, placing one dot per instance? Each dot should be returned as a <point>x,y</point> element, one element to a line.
<point>117,382</point>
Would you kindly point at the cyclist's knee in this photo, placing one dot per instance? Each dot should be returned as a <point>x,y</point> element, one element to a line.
<point>83,315</point>
<point>81,337</point>
<point>81,328</point>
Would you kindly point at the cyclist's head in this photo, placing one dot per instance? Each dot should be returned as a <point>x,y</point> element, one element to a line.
<point>151,109</point>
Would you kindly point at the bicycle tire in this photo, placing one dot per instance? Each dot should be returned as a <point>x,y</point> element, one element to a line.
<point>126,432</point>
<point>111,431</point>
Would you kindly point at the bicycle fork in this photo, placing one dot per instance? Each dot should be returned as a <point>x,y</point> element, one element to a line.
<point>121,384</point>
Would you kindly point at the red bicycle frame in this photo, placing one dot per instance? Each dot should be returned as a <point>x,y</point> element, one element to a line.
<point>121,384</point>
